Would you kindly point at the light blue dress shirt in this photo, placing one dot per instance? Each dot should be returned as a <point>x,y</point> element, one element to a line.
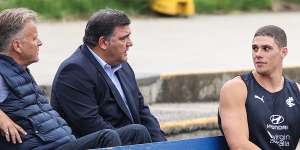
<point>111,74</point>
<point>3,90</point>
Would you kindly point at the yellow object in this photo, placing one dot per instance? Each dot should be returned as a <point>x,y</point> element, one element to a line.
<point>174,7</point>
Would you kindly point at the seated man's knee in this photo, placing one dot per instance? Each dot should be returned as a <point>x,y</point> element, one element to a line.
<point>138,128</point>
<point>110,136</point>
<point>110,133</point>
<point>141,132</point>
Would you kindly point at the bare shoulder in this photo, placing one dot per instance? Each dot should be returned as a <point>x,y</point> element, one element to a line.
<point>234,90</point>
<point>236,84</point>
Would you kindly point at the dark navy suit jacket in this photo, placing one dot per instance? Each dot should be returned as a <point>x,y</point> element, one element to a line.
<point>87,99</point>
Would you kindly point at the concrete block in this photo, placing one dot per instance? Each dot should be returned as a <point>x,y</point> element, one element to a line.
<point>194,87</point>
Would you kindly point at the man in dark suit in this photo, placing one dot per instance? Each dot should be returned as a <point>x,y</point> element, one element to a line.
<point>96,88</point>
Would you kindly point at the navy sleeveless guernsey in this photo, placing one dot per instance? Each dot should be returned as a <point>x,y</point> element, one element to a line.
<point>273,118</point>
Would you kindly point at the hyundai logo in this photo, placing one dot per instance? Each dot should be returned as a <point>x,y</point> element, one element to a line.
<point>276,119</point>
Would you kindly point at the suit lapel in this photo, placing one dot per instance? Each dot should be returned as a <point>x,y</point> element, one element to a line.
<point>129,97</point>
<point>111,85</point>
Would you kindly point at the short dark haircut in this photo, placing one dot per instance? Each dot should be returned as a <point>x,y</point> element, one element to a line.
<point>103,23</point>
<point>275,32</point>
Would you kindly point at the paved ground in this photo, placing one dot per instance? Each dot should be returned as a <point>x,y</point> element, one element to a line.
<point>183,111</point>
<point>178,112</point>
<point>162,45</point>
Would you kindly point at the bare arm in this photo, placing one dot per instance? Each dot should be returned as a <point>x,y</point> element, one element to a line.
<point>10,130</point>
<point>233,115</point>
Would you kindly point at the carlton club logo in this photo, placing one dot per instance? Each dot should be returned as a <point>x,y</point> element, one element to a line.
<point>290,102</point>
<point>276,119</point>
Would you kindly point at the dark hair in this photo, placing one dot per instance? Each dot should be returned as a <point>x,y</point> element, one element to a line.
<point>275,32</point>
<point>12,21</point>
<point>103,23</point>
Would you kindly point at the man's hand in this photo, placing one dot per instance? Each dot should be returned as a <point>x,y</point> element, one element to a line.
<point>10,130</point>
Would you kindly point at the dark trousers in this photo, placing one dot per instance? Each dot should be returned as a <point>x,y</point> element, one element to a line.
<point>127,135</point>
<point>99,139</point>
<point>134,134</point>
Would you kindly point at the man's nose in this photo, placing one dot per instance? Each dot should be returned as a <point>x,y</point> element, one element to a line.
<point>40,42</point>
<point>129,43</point>
<point>258,53</point>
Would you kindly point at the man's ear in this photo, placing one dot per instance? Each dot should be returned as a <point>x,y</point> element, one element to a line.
<point>103,43</point>
<point>284,51</point>
<point>16,46</point>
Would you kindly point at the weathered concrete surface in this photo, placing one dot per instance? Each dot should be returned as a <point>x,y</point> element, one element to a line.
<point>166,112</point>
<point>178,118</point>
<point>193,87</point>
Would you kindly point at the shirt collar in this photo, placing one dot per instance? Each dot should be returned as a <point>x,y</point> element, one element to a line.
<point>103,63</point>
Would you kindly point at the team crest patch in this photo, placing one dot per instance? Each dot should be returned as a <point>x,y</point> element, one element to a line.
<point>290,102</point>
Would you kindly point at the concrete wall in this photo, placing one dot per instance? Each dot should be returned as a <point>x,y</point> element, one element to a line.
<point>189,87</point>
<point>193,87</point>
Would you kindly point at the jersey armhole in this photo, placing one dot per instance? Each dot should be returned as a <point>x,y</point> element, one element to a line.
<point>297,88</point>
<point>244,78</point>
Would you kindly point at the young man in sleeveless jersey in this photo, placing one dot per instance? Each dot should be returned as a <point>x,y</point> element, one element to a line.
<point>261,109</point>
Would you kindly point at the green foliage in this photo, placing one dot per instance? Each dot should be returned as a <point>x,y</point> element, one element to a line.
<point>295,1</point>
<point>74,9</point>
<point>58,9</point>
<point>224,6</point>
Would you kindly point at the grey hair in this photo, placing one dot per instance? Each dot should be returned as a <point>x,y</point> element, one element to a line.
<point>12,21</point>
